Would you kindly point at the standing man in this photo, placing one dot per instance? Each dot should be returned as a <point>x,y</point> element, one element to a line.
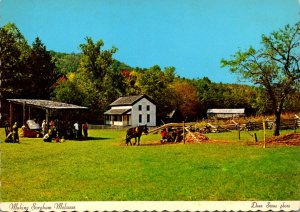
<point>76,128</point>
<point>15,133</point>
<point>85,129</point>
<point>44,127</point>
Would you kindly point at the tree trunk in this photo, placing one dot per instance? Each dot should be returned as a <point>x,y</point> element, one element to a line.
<point>277,124</point>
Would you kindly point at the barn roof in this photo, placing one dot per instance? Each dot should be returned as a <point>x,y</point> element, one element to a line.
<point>46,104</point>
<point>227,111</point>
<point>129,100</point>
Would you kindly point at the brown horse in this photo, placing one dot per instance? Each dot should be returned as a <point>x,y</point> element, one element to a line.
<point>136,133</point>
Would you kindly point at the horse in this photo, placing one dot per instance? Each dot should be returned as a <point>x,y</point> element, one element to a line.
<point>136,133</point>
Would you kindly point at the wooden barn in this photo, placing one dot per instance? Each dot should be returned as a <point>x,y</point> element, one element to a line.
<point>225,113</point>
<point>131,111</point>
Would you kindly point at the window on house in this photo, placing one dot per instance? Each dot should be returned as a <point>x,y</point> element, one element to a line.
<point>140,107</point>
<point>148,107</point>
<point>148,117</point>
<point>140,118</point>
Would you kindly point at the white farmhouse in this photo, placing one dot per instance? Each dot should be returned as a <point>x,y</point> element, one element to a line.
<point>131,111</point>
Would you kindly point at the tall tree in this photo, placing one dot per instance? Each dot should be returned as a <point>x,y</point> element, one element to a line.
<point>98,64</point>
<point>14,51</point>
<point>10,73</point>
<point>95,60</point>
<point>41,72</point>
<point>96,82</point>
<point>275,66</point>
<point>187,100</point>
<point>157,84</point>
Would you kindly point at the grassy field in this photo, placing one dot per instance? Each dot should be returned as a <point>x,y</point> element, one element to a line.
<point>102,168</point>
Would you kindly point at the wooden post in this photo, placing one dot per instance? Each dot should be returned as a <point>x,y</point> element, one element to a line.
<point>264,126</point>
<point>29,113</point>
<point>10,115</point>
<point>255,137</point>
<point>239,132</point>
<point>47,116</point>
<point>24,113</point>
<point>183,133</point>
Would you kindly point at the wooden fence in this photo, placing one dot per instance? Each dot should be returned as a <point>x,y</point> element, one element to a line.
<point>249,126</point>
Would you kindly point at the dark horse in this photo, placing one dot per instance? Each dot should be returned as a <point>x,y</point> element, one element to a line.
<point>136,133</point>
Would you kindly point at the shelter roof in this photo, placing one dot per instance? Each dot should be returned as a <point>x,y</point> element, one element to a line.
<point>117,111</point>
<point>227,111</point>
<point>129,100</point>
<point>46,104</point>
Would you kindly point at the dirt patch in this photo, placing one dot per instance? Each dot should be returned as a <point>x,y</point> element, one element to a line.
<point>291,139</point>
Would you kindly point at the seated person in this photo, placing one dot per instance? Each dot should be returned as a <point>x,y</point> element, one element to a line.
<point>9,138</point>
<point>164,135</point>
<point>47,137</point>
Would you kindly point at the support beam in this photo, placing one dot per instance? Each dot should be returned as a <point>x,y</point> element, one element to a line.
<point>24,114</point>
<point>10,115</point>
<point>47,116</point>
<point>29,113</point>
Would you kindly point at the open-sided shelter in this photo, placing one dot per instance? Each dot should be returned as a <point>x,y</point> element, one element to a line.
<point>46,105</point>
<point>225,113</point>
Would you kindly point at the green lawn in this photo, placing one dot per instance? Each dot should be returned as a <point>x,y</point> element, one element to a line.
<point>104,169</point>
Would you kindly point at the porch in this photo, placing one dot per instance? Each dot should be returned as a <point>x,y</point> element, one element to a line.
<point>118,117</point>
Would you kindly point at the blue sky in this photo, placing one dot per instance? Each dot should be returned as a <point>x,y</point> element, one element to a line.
<point>191,35</point>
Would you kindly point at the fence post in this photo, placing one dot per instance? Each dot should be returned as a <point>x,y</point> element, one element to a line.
<point>239,132</point>
<point>183,133</point>
<point>255,137</point>
<point>264,126</point>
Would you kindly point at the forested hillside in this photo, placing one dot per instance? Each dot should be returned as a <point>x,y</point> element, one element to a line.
<point>93,78</point>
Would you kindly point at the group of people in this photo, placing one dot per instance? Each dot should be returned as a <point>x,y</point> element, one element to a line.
<point>59,130</point>
<point>12,136</point>
<point>170,135</point>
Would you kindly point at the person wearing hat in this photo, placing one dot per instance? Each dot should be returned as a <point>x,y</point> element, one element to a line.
<point>15,133</point>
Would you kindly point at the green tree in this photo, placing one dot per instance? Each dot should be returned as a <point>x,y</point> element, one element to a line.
<point>77,89</point>
<point>275,66</point>
<point>66,63</point>
<point>10,73</point>
<point>96,61</point>
<point>14,52</point>
<point>95,81</point>
<point>157,84</point>
<point>41,74</point>
<point>20,40</point>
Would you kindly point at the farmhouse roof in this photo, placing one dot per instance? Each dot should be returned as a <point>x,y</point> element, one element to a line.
<point>129,100</point>
<point>46,104</point>
<point>117,111</point>
<point>227,111</point>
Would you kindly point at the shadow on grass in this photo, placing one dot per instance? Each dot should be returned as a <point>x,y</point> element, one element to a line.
<point>91,139</point>
<point>150,144</point>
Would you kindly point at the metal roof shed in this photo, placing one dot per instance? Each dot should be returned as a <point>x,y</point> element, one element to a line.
<point>43,104</point>
<point>226,113</point>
